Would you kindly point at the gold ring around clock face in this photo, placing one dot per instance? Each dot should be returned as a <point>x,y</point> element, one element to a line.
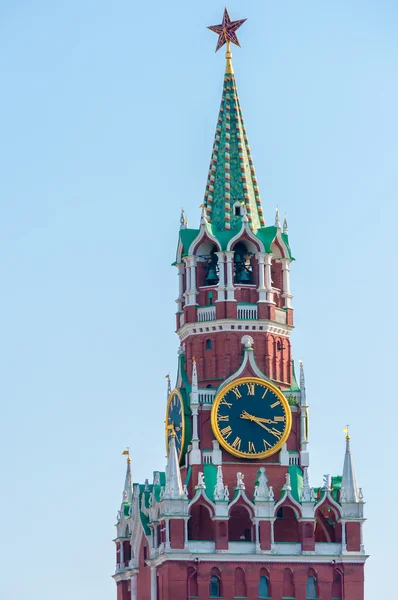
<point>251,418</point>
<point>175,421</point>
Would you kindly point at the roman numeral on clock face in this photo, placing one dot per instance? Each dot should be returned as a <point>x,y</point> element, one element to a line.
<point>226,432</point>
<point>222,418</point>
<point>236,443</point>
<point>252,447</point>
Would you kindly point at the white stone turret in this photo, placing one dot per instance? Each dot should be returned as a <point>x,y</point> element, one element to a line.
<point>221,492</point>
<point>349,490</point>
<point>174,488</point>
<point>304,433</point>
<point>194,455</point>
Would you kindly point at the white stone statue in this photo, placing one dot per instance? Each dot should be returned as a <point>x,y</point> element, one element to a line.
<point>287,487</point>
<point>201,481</point>
<point>156,478</point>
<point>226,493</point>
<point>312,497</point>
<point>219,491</point>
<point>261,491</point>
<point>326,483</point>
<point>239,481</point>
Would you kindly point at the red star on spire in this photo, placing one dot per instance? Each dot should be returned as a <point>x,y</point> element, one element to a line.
<point>226,31</point>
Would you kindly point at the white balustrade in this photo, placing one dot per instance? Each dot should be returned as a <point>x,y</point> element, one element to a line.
<point>206,396</point>
<point>206,313</point>
<point>247,311</point>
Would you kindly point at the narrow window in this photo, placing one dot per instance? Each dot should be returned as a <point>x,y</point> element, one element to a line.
<point>208,345</point>
<point>263,587</point>
<point>237,210</point>
<point>215,587</point>
<point>311,589</point>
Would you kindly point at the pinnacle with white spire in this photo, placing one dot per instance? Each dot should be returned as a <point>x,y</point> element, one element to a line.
<point>128,483</point>
<point>349,490</point>
<point>174,489</point>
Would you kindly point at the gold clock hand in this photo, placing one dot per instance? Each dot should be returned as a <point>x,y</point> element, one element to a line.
<point>245,415</point>
<point>277,435</point>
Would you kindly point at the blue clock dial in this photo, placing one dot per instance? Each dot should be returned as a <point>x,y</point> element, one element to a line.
<point>175,421</point>
<point>251,418</point>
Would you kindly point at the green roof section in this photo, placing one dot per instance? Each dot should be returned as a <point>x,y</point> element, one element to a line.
<point>295,386</point>
<point>231,177</point>
<point>296,481</point>
<point>210,474</point>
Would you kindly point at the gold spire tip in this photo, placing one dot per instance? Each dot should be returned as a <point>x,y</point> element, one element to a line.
<point>346,431</point>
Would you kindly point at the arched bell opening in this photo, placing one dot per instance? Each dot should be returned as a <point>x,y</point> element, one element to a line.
<point>243,267</point>
<point>286,525</point>
<point>200,524</point>
<point>327,528</point>
<point>208,269</point>
<point>240,526</point>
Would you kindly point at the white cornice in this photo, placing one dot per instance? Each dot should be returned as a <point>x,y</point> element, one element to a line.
<point>238,326</point>
<point>216,557</point>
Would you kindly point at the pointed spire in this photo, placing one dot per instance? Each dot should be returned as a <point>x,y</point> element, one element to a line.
<point>231,165</point>
<point>128,482</point>
<point>174,489</point>
<point>220,490</point>
<point>349,490</point>
<point>277,219</point>
<point>261,490</point>
<point>303,401</point>
<point>168,386</point>
<point>285,229</point>
<point>307,494</point>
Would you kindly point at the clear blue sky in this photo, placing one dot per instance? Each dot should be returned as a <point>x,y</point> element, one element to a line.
<point>107,117</point>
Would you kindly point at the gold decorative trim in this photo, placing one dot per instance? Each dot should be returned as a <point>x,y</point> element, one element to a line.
<point>173,393</point>
<point>224,442</point>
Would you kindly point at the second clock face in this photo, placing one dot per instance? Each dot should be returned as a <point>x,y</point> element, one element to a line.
<point>175,421</point>
<point>251,418</point>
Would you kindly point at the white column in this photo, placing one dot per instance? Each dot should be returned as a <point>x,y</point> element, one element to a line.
<point>134,587</point>
<point>167,526</point>
<point>272,533</point>
<point>155,536</point>
<point>187,280</point>
<point>362,547</point>
<point>268,280</point>
<point>230,282</point>
<point>286,282</point>
<point>262,295</point>
<point>193,279</point>
<point>154,584</point>
<point>221,277</point>
<point>343,538</point>
<point>186,534</point>
<point>257,526</point>
<point>303,429</point>
<point>180,299</point>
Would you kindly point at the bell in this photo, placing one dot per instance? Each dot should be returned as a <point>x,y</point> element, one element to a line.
<point>243,276</point>
<point>211,277</point>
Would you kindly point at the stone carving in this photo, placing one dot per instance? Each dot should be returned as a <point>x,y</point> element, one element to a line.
<point>287,487</point>
<point>156,478</point>
<point>185,492</point>
<point>201,482</point>
<point>219,489</point>
<point>239,481</point>
<point>326,483</point>
<point>271,492</point>
<point>261,490</point>
<point>307,491</point>
<point>360,494</point>
<point>226,493</point>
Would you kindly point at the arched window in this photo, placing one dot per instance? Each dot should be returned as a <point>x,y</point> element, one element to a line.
<point>212,268</point>
<point>209,345</point>
<point>240,525</point>
<point>286,527</point>
<point>200,525</point>
<point>242,264</point>
<point>288,584</point>
<point>310,590</point>
<point>263,587</point>
<point>215,587</point>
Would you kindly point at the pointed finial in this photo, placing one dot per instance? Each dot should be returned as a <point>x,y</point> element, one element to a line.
<point>303,399</point>
<point>285,230</point>
<point>183,220</point>
<point>346,431</point>
<point>127,453</point>
<point>168,385</point>
<point>277,219</point>
<point>203,217</point>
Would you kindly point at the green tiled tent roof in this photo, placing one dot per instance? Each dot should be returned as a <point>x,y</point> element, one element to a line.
<point>231,174</point>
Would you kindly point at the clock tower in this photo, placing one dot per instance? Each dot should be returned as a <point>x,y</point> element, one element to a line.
<point>234,515</point>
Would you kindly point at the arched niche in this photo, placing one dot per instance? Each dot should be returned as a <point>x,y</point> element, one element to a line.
<point>327,527</point>
<point>200,524</point>
<point>240,583</point>
<point>240,526</point>
<point>286,525</point>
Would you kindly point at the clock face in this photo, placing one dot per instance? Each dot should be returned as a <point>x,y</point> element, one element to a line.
<point>175,421</point>
<point>251,418</point>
